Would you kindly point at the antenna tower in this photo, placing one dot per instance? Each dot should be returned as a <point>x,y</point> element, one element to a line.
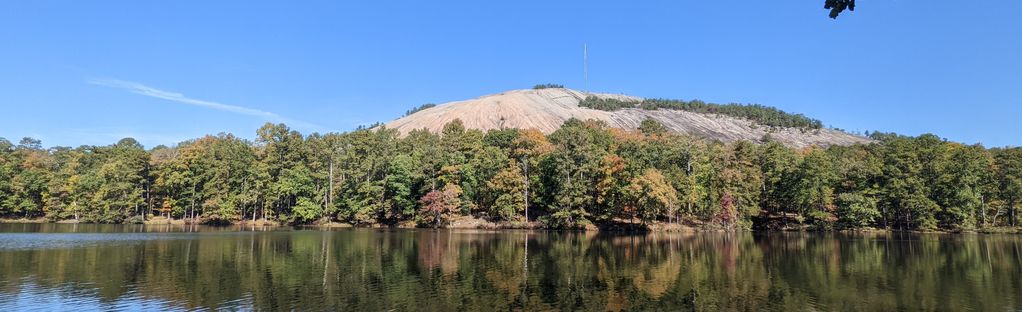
<point>585,65</point>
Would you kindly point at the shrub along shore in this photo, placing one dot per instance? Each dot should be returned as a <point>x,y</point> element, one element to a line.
<point>582,175</point>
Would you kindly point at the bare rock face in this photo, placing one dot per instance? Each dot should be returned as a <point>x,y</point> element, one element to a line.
<point>547,109</point>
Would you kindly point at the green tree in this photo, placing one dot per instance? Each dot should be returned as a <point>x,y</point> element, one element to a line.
<point>570,171</point>
<point>779,166</point>
<point>651,195</point>
<point>66,197</point>
<point>904,190</point>
<point>285,155</point>
<point>365,203</point>
<point>651,127</point>
<point>365,154</point>
<point>509,188</point>
<point>812,190</point>
<point>279,150</point>
<point>460,148</point>
<point>859,171</point>
<point>226,178</point>
<point>1009,176</point>
<point>610,183</point>
<point>30,179</point>
<point>856,210</point>
<point>528,148</point>
<point>734,182</point>
<point>959,189</point>
<point>9,167</point>
<point>689,169</point>
<point>167,181</point>
<point>419,108</point>
<point>398,186</point>
<point>121,175</point>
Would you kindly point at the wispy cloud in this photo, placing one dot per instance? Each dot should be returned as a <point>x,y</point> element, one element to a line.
<point>109,135</point>
<point>145,90</point>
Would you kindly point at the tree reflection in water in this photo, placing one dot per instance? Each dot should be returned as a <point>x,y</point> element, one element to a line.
<point>440,270</point>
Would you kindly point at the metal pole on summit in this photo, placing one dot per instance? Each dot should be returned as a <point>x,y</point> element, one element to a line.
<point>585,66</point>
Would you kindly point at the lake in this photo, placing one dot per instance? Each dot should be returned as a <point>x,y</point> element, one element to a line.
<point>134,267</point>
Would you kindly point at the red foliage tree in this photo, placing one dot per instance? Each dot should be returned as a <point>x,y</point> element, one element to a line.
<point>728,215</point>
<point>438,207</point>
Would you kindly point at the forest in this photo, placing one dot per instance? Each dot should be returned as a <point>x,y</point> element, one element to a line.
<point>584,173</point>
<point>760,114</point>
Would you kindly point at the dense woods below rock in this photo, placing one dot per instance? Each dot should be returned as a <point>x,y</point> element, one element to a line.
<point>583,173</point>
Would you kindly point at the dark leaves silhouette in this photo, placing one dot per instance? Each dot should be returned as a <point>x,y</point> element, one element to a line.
<point>838,6</point>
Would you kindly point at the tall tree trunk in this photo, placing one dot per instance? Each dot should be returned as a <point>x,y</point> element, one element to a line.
<point>330,190</point>
<point>525,164</point>
<point>124,195</point>
<point>1011,211</point>
<point>982,210</point>
<point>149,200</point>
<point>192,217</point>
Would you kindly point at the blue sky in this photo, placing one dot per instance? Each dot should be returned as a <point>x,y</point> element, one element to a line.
<point>91,72</point>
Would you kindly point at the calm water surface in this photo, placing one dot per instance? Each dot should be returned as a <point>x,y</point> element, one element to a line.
<point>112,267</point>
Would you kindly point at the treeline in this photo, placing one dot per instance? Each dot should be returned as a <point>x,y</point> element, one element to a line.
<point>760,114</point>
<point>582,173</point>
<point>547,86</point>
<point>419,108</point>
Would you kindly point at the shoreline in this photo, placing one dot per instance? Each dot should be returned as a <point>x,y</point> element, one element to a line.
<point>471,223</point>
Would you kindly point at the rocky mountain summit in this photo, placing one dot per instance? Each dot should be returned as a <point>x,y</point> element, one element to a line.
<point>546,109</point>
